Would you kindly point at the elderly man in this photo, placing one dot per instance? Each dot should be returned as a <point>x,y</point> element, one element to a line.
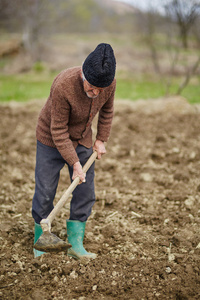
<point>64,136</point>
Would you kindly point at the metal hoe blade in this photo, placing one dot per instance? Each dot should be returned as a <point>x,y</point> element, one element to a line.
<point>49,242</point>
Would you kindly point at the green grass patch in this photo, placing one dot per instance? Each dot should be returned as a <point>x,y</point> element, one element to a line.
<point>146,88</point>
<point>192,93</point>
<point>37,84</point>
<point>25,87</point>
<point>134,89</point>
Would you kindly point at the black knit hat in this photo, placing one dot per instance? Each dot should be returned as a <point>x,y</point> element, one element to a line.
<point>99,67</point>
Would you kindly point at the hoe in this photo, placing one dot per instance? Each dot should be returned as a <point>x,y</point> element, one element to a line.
<point>49,242</point>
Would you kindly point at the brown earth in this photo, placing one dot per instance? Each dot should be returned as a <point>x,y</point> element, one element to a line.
<point>145,223</point>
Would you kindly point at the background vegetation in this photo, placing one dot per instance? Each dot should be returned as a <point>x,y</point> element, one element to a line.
<point>157,54</point>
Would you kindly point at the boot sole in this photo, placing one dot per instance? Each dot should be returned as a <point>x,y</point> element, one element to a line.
<point>74,255</point>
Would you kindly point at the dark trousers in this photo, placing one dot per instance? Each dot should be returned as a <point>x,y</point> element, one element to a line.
<point>49,163</point>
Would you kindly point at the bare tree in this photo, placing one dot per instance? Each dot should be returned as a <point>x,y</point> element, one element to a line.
<point>34,19</point>
<point>189,73</point>
<point>162,31</point>
<point>150,39</point>
<point>184,13</point>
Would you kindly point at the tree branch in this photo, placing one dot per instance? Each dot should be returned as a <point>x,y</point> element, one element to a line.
<point>188,76</point>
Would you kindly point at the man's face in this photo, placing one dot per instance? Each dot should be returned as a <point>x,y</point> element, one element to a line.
<point>90,90</point>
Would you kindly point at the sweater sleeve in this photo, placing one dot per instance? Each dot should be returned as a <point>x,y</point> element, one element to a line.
<point>60,113</point>
<point>105,118</point>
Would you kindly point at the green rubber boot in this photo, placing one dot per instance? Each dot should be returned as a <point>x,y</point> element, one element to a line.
<point>75,235</point>
<point>38,233</point>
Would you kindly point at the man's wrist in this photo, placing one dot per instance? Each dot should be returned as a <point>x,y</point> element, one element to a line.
<point>77,163</point>
<point>98,140</point>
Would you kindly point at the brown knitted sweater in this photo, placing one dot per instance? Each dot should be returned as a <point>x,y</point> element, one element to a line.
<point>66,118</point>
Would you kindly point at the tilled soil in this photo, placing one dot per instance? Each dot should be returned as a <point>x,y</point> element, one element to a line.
<point>145,225</point>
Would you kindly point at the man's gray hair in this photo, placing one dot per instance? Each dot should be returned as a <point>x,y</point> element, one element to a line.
<point>83,76</point>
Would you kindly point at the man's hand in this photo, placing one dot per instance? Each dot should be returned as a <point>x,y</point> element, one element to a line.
<point>100,148</point>
<point>78,172</point>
